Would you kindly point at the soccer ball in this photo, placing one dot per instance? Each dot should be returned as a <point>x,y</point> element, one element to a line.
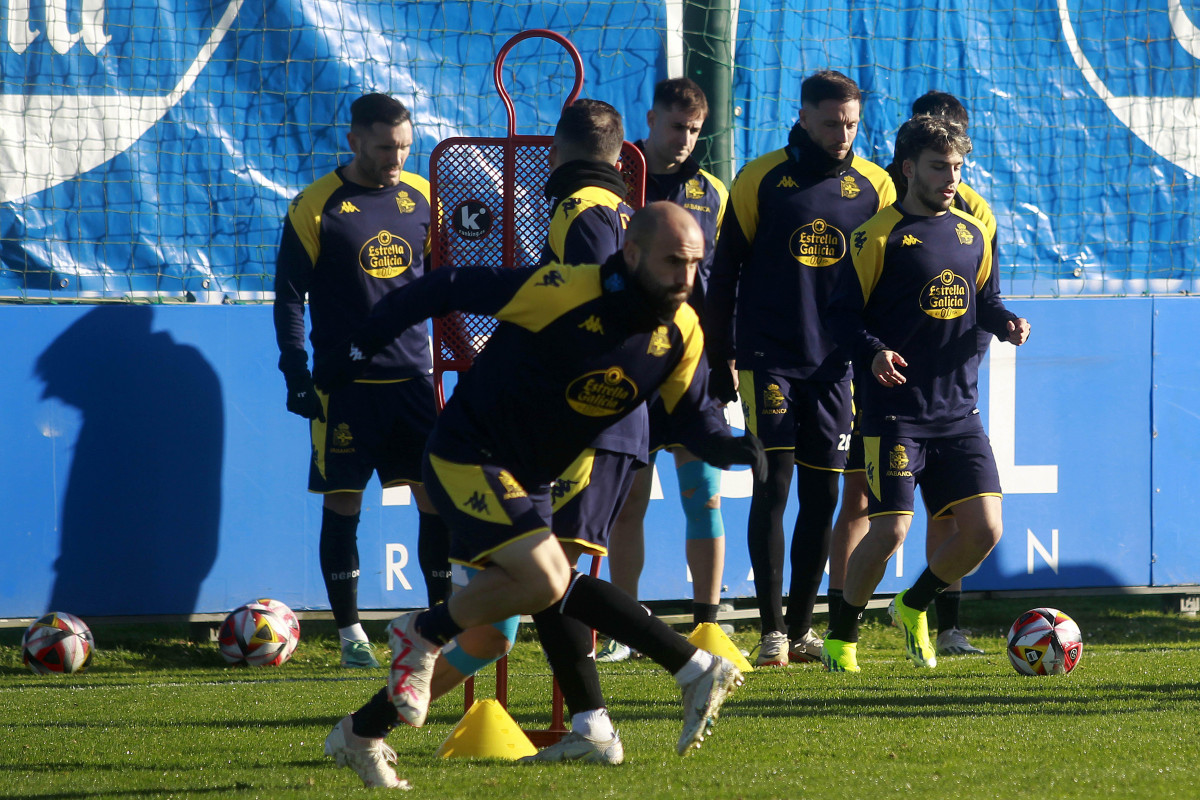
<point>58,642</point>
<point>289,618</point>
<point>1044,641</point>
<point>254,634</point>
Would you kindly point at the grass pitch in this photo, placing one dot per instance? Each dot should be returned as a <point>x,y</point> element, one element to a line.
<point>160,717</point>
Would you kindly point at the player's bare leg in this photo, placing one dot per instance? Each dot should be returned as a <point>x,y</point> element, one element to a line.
<point>952,638</point>
<point>864,570</point>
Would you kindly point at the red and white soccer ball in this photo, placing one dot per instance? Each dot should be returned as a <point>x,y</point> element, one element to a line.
<point>289,617</point>
<point>257,635</point>
<point>58,642</point>
<point>1044,641</point>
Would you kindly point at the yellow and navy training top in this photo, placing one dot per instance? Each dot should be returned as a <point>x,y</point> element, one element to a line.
<point>921,286</point>
<point>576,349</point>
<point>587,226</point>
<point>784,241</point>
<point>344,247</point>
<point>704,196</point>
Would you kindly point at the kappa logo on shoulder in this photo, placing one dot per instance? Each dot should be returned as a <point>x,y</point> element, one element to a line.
<point>348,207</point>
<point>552,278</point>
<point>909,240</point>
<point>787,183</point>
<point>592,324</point>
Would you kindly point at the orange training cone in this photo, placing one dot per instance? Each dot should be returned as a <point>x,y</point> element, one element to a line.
<point>487,731</point>
<point>709,636</point>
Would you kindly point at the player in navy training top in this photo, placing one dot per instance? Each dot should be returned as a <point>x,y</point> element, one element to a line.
<point>909,312</point>
<point>678,112</point>
<point>576,348</point>
<point>784,242</point>
<point>349,239</point>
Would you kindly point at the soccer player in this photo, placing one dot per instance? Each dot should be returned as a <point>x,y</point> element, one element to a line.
<point>674,121</point>
<point>587,226</point>
<point>921,287</point>
<point>349,239</point>
<point>851,524</point>
<point>783,243</point>
<point>576,349</point>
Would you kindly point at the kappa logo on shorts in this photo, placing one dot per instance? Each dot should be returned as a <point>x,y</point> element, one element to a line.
<point>897,461</point>
<point>562,487</point>
<point>478,503</point>
<point>1154,104</point>
<point>512,489</point>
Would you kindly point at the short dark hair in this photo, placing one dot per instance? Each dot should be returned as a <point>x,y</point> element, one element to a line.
<point>941,104</point>
<point>590,129</point>
<point>828,84</point>
<point>682,93</point>
<point>375,107</point>
<point>928,132</point>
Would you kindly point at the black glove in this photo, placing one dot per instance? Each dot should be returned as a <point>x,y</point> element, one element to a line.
<point>339,366</point>
<point>302,396</point>
<point>747,449</point>
<point>720,383</point>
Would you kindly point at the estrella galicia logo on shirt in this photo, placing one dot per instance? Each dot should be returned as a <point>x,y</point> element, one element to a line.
<point>850,188</point>
<point>947,296</point>
<point>385,255</point>
<point>472,220</point>
<point>602,393</point>
<point>817,244</point>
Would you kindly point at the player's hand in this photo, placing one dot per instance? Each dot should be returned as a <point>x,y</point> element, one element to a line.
<point>341,365</point>
<point>302,396</point>
<point>742,450</point>
<point>1018,332</point>
<point>722,383</point>
<point>884,368</point>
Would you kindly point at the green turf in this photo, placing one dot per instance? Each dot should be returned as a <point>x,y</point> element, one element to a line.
<point>160,717</point>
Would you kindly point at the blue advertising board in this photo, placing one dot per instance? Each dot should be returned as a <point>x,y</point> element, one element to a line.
<point>154,470</point>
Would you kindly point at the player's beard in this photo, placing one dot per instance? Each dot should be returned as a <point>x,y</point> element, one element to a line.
<point>662,299</point>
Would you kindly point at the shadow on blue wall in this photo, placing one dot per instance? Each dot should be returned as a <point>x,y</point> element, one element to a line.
<point>142,505</point>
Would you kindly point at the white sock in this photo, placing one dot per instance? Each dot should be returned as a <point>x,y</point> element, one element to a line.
<point>594,724</point>
<point>695,667</point>
<point>353,633</point>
